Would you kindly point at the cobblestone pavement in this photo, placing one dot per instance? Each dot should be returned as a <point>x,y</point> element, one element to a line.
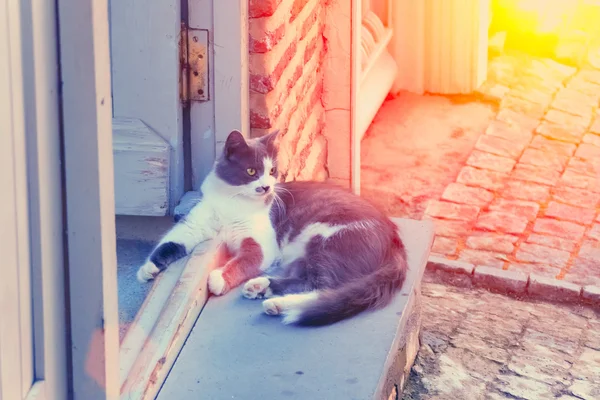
<point>480,345</point>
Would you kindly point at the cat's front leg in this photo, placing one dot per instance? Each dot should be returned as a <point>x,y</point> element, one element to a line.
<point>246,264</point>
<point>176,244</point>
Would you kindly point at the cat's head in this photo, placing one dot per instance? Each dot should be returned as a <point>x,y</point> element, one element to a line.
<point>249,165</point>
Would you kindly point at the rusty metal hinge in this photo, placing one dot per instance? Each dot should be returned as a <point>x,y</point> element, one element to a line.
<point>193,59</point>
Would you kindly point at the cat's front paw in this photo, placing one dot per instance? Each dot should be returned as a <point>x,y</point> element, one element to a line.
<point>273,306</point>
<point>216,283</point>
<point>257,288</point>
<point>147,272</point>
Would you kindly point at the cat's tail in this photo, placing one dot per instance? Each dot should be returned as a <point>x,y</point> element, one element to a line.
<point>324,307</point>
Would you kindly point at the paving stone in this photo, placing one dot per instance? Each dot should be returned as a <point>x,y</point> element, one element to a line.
<point>592,337</point>
<point>531,252</point>
<point>590,75</point>
<point>574,102</point>
<point>528,108</point>
<point>552,146</point>
<point>533,95</point>
<point>544,270</point>
<point>595,127</point>
<point>564,133</point>
<point>500,280</point>
<point>587,366</point>
<point>552,241</point>
<point>587,151</point>
<point>481,178</point>
<point>581,85</point>
<point>444,245</point>
<point>574,179</point>
<point>591,294</point>
<point>493,91</point>
<point>481,159</point>
<point>535,174</point>
<point>563,229</point>
<point>590,250</point>
<point>553,289</point>
<point>523,208</point>
<point>447,210</point>
<point>584,270</point>
<point>497,221</point>
<point>560,118</point>
<point>576,197</point>
<point>523,388</point>
<point>544,159</point>
<point>480,257</point>
<point>481,348</point>
<point>500,146</point>
<point>541,369</point>
<point>516,121</point>
<point>493,242</point>
<point>585,389</point>
<point>460,193</point>
<point>570,213</point>
<point>450,228</point>
<point>589,167</point>
<point>522,190</point>
<point>541,344</point>
<point>591,139</point>
<point>594,233</point>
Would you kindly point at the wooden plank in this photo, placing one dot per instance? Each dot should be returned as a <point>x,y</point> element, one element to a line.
<point>89,190</point>
<point>16,339</point>
<point>141,160</point>
<point>145,74</point>
<point>233,336</point>
<point>47,188</point>
<point>166,334</point>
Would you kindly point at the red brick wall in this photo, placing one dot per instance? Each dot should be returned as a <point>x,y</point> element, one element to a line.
<point>286,82</point>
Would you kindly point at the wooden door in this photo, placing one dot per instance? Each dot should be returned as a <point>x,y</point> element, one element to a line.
<point>148,143</point>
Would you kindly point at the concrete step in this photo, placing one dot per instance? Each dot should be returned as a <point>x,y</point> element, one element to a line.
<point>234,351</point>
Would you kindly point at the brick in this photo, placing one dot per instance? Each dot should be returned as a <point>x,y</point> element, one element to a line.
<point>450,228</point>
<point>595,128</point>
<point>460,193</point>
<point>570,213</point>
<point>481,178</point>
<point>297,7</point>
<point>533,95</point>
<point>590,167</point>
<point>591,294</point>
<point>536,253</point>
<point>532,173</point>
<point>594,233</point>
<point>444,245</point>
<point>574,102</point>
<point>590,250</point>
<point>264,33</point>
<point>500,146</point>
<point>552,241</point>
<point>523,190</point>
<point>544,159</point>
<point>588,88</point>
<point>576,197</point>
<point>591,139</point>
<point>500,280</point>
<point>489,161</point>
<point>493,92</point>
<point>266,69</point>
<point>262,8</point>
<point>577,123</point>
<point>510,128</point>
<point>518,121</point>
<point>315,162</point>
<point>544,270</point>
<point>552,146</point>
<point>456,267</point>
<point>584,271</point>
<point>588,151</point>
<point>528,108</point>
<point>522,208</point>
<point>479,257</point>
<point>493,242</point>
<point>573,179</point>
<point>553,289</point>
<point>590,75</point>
<point>446,210</point>
<point>497,221</point>
<point>560,132</point>
<point>563,229</point>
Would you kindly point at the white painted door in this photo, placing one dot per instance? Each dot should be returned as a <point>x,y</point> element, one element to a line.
<point>148,135</point>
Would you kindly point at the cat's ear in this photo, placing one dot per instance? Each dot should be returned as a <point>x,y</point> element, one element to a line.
<point>235,141</point>
<point>269,139</point>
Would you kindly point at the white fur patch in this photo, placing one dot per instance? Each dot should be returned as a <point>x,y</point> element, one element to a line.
<point>216,283</point>
<point>290,306</point>
<point>291,251</point>
<point>257,288</point>
<point>147,272</point>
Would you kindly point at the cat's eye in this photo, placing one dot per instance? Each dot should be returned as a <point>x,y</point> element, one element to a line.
<point>273,171</point>
<point>251,171</point>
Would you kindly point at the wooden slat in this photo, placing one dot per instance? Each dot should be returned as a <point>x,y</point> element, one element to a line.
<point>142,160</point>
<point>89,190</point>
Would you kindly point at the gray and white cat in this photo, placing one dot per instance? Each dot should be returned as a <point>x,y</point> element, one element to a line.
<point>328,253</point>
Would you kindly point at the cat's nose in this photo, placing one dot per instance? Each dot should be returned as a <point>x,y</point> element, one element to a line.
<point>266,188</point>
<point>263,189</point>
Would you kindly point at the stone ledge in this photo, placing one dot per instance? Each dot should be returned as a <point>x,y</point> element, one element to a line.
<point>512,283</point>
